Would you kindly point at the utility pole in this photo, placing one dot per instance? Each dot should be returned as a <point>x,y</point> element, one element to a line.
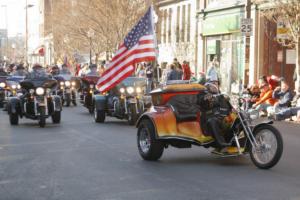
<point>247,45</point>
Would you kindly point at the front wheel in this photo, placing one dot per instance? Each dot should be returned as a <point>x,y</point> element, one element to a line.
<point>99,115</point>
<point>149,147</point>
<point>42,118</point>
<point>68,99</point>
<point>269,147</point>
<point>14,118</point>
<point>132,114</point>
<point>56,117</point>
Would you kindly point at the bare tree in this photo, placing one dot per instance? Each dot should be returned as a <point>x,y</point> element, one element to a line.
<point>287,11</point>
<point>110,21</point>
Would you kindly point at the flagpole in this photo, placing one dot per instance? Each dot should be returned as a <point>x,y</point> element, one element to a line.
<point>155,40</point>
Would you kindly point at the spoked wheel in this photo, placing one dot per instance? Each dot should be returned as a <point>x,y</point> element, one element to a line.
<point>269,147</point>
<point>149,147</point>
<point>99,115</point>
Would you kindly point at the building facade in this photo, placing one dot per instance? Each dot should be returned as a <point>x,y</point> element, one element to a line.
<point>177,29</point>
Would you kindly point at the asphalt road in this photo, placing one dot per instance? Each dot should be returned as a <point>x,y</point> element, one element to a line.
<point>82,160</point>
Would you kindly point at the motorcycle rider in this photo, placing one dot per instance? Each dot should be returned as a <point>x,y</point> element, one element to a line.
<point>20,71</point>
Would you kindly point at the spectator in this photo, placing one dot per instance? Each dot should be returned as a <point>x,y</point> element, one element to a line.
<point>284,96</point>
<point>141,73</point>
<point>172,74</point>
<point>291,111</point>
<point>264,101</point>
<point>186,71</point>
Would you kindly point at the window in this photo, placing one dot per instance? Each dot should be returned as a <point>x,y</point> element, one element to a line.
<point>183,24</point>
<point>177,24</point>
<point>189,24</point>
<point>170,26</point>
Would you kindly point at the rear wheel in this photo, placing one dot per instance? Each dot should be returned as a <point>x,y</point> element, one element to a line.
<point>149,147</point>
<point>14,118</point>
<point>269,147</point>
<point>99,115</point>
<point>56,117</point>
<point>132,114</point>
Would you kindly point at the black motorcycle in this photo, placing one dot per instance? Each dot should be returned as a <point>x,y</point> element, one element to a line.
<point>37,102</point>
<point>88,91</point>
<point>67,89</point>
<point>125,101</point>
<point>3,91</point>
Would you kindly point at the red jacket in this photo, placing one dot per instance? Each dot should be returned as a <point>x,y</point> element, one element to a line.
<point>186,72</point>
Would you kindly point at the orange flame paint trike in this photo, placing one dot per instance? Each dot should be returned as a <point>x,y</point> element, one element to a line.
<point>181,116</point>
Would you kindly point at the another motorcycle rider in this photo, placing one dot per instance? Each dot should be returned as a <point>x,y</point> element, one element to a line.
<point>64,69</point>
<point>214,109</point>
<point>54,70</point>
<point>20,71</point>
<point>37,72</point>
<point>93,70</point>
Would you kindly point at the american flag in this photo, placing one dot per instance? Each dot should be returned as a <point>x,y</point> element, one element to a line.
<point>138,46</point>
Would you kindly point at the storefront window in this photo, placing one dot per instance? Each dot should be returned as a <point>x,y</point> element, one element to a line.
<point>230,60</point>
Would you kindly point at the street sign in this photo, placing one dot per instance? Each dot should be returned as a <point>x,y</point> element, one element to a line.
<point>283,30</point>
<point>246,27</point>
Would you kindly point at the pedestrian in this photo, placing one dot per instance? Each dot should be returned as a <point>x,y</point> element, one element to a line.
<point>212,73</point>
<point>186,71</point>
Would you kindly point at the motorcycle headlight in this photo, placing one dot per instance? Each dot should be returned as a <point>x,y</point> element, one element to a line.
<point>67,83</point>
<point>62,83</point>
<point>122,90</point>
<point>14,87</point>
<point>18,87</point>
<point>73,83</point>
<point>91,86</point>
<point>40,91</point>
<point>2,85</point>
<point>130,90</point>
<point>138,90</point>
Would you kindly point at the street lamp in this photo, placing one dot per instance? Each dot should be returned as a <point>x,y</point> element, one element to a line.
<point>26,32</point>
<point>90,34</point>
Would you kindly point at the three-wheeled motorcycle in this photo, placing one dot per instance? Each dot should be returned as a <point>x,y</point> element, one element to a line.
<point>9,87</point>
<point>88,91</point>
<point>67,88</point>
<point>3,91</point>
<point>179,117</point>
<point>37,102</point>
<point>125,101</point>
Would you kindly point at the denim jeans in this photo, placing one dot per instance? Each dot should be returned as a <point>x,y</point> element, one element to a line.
<point>287,113</point>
